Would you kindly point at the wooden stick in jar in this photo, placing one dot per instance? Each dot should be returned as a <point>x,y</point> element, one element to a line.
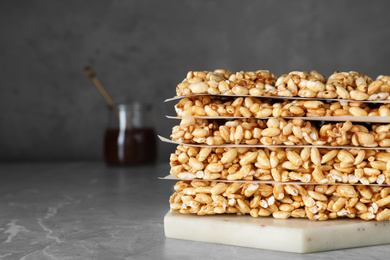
<point>90,73</point>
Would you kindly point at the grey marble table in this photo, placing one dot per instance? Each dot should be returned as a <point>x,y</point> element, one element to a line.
<point>86,210</point>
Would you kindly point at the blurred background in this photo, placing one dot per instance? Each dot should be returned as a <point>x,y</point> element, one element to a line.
<point>141,49</point>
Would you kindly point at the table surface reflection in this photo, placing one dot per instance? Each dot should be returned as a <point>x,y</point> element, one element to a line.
<point>86,210</point>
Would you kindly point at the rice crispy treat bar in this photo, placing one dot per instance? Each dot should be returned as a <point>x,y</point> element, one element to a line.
<point>225,82</point>
<point>282,201</point>
<point>306,165</point>
<point>276,131</point>
<point>255,107</point>
<point>342,85</point>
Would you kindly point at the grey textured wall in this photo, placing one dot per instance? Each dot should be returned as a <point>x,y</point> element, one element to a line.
<point>141,49</point>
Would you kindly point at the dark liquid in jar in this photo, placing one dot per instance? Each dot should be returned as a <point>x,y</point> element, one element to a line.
<point>127,147</point>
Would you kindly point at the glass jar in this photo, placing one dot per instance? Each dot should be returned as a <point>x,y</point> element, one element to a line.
<point>130,137</point>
